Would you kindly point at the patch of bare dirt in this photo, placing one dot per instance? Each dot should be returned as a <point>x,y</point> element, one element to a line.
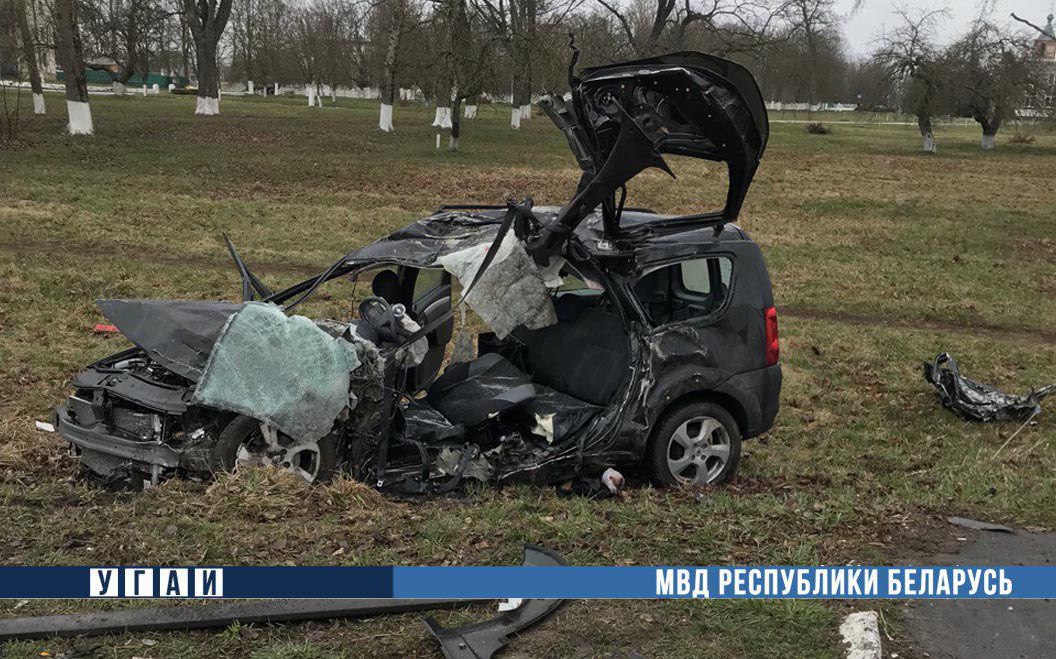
<point>1033,335</point>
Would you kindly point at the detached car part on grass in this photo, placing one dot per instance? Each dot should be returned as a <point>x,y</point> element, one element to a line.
<point>476,641</point>
<point>975,401</point>
<point>618,335</point>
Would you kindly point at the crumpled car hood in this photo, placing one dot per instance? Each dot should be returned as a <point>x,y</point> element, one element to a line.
<point>177,334</point>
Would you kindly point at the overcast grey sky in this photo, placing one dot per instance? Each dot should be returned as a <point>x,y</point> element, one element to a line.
<point>861,29</point>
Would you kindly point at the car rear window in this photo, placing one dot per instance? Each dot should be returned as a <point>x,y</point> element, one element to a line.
<point>685,290</point>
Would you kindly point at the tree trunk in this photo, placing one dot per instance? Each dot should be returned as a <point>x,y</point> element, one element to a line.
<point>69,52</point>
<point>456,125</point>
<point>444,88</point>
<point>29,53</point>
<point>990,128</point>
<point>388,76</point>
<point>515,101</point>
<point>471,107</point>
<point>208,101</point>
<point>926,133</point>
<point>207,22</point>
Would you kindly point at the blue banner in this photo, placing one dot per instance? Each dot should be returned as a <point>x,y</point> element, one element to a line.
<point>778,582</point>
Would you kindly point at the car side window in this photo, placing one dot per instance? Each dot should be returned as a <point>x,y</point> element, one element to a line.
<point>682,291</point>
<point>427,281</point>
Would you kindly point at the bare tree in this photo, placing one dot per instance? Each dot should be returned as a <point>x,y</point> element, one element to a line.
<point>993,74</point>
<point>517,25</point>
<point>71,57</point>
<point>1046,31</point>
<point>814,21</point>
<point>912,58</point>
<point>732,25</point>
<point>206,20</point>
<point>29,54</point>
<point>397,22</point>
<point>467,59</point>
<point>120,37</point>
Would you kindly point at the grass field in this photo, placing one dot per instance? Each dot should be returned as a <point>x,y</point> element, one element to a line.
<point>881,257</point>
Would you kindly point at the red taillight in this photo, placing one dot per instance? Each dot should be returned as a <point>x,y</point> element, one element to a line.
<point>773,349</point>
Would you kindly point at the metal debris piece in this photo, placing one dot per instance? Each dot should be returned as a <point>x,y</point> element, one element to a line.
<point>979,402</point>
<point>978,525</point>
<point>483,639</point>
<point>211,616</point>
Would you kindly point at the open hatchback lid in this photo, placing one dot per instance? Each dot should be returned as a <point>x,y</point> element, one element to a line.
<point>623,117</point>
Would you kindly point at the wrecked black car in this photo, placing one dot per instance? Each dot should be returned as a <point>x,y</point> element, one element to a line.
<point>618,336</point>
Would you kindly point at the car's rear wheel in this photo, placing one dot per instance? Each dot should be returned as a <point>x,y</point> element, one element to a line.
<point>246,442</point>
<point>696,443</point>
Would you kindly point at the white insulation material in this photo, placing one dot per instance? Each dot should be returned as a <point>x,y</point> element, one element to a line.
<point>207,106</point>
<point>385,119</point>
<point>511,291</point>
<point>861,635</point>
<point>442,118</point>
<point>470,112</point>
<point>80,118</point>
<point>38,104</point>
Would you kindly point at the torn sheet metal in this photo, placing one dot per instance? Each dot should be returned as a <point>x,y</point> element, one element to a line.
<point>974,401</point>
<point>510,292</point>
<point>279,369</point>
<point>178,335</point>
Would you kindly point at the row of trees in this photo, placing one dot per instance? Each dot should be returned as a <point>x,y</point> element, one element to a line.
<point>988,74</point>
<point>455,51</point>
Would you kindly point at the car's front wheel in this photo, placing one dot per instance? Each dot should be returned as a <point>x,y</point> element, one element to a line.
<point>696,443</point>
<point>246,442</point>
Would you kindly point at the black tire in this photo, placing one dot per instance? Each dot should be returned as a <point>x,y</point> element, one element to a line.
<point>242,428</point>
<point>658,451</point>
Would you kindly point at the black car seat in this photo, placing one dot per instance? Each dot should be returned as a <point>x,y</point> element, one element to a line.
<point>472,392</point>
<point>584,355</point>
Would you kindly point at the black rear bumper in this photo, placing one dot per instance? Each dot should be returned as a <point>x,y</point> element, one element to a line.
<point>758,393</point>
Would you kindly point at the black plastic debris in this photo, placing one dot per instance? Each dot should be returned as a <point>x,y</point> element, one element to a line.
<point>975,401</point>
<point>483,639</point>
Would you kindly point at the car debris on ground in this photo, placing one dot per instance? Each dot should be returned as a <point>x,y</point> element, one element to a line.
<point>974,401</point>
<point>474,641</point>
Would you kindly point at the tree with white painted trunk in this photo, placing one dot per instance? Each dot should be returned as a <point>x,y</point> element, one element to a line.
<point>71,58</point>
<point>467,57</point>
<point>525,29</point>
<point>397,21</point>
<point>993,74</point>
<point>207,20</point>
<point>29,55</point>
<point>909,54</point>
<point>444,80</point>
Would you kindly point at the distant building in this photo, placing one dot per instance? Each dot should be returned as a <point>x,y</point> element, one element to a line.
<point>1045,50</point>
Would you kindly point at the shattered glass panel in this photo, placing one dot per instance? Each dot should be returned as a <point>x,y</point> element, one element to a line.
<point>510,292</point>
<point>280,369</point>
